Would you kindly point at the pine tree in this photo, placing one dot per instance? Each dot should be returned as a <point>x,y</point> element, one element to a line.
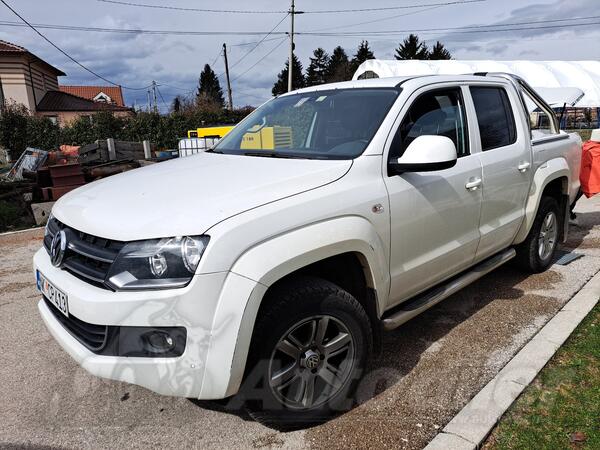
<point>209,88</point>
<point>281,85</point>
<point>317,69</point>
<point>176,106</point>
<point>338,67</point>
<point>412,48</point>
<point>363,53</point>
<point>438,51</point>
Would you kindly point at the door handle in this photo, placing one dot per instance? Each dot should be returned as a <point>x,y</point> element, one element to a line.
<point>473,184</point>
<point>523,167</point>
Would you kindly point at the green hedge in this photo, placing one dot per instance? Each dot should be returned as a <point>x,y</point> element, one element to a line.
<point>19,129</point>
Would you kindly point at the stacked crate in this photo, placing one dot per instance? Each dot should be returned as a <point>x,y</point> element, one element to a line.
<point>56,181</point>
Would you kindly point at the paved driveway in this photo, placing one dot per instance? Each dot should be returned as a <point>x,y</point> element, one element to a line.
<point>427,371</point>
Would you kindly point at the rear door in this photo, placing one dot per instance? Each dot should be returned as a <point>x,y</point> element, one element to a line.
<point>506,159</point>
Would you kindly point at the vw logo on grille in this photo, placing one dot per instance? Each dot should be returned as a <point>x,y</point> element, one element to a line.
<point>58,248</point>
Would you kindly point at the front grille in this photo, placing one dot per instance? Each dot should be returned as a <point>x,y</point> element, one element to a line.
<point>94,337</point>
<point>87,257</point>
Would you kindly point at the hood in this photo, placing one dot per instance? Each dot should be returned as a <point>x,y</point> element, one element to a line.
<point>188,195</point>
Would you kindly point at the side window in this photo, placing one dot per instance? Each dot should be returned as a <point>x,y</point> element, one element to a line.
<point>439,112</point>
<point>495,117</point>
<point>539,121</point>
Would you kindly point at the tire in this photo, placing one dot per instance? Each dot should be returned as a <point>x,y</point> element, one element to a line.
<point>537,252</point>
<point>309,332</point>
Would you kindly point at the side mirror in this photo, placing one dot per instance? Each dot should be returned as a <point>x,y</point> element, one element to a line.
<point>426,154</point>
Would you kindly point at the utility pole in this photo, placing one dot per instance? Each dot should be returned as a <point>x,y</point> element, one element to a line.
<point>227,75</point>
<point>293,13</point>
<point>290,65</point>
<point>154,96</point>
<point>148,98</point>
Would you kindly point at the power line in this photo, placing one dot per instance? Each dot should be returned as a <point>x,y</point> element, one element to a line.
<point>162,98</point>
<point>470,27</point>
<point>260,60</point>
<point>259,42</point>
<point>65,53</point>
<point>309,33</point>
<point>390,8</point>
<point>173,87</point>
<point>379,20</point>
<point>248,11</point>
<point>243,44</point>
<point>453,31</point>
<point>140,30</point>
<point>178,8</point>
<point>212,64</point>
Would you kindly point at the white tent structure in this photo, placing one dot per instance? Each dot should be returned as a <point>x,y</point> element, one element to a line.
<point>583,75</point>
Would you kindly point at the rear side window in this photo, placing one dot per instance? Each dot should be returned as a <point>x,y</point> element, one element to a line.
<point>495,117</point>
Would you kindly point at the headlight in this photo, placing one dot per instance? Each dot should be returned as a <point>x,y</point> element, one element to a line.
<point>157,263</point>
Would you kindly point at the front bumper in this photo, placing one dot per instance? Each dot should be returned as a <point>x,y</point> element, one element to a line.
<point>204,370</point>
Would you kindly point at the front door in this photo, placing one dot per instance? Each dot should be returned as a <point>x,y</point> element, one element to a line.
<point>434,215</point>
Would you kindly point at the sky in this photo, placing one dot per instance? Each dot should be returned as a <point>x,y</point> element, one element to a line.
<point>134,60</point>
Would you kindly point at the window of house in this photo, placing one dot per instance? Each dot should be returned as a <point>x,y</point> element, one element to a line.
<point>439,112</point>
<point>53,119</point>
<point>103,98</point>
<point>495,117</point>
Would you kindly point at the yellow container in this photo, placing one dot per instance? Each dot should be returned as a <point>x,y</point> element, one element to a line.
<point>217,132</point>
<point>267,138</point>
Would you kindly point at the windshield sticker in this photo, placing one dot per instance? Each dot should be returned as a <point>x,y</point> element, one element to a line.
<point>301,102</point>
<point>321,98</point>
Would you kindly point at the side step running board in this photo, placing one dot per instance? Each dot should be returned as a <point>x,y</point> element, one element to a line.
<point>416,306</point>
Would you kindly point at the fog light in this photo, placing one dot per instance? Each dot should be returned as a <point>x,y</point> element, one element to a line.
<point>158,342</point>
<point>149,342</point>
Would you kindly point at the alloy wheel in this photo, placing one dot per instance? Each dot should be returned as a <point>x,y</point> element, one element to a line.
<point>548,236</point>
<point>311,362</point>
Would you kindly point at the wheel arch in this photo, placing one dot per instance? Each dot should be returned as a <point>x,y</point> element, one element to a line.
<point>314,250</point>
<point>553,179</point>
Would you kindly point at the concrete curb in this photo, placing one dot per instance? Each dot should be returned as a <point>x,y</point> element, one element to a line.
<point>8,233</point>
<point>469,428</point>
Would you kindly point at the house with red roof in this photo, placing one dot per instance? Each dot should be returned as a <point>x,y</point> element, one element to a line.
<point>29,80</point>
<point>112,95</point>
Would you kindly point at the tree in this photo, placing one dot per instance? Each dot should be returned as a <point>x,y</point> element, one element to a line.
<point>363,53</point>
<point>13,128</point>
<point>438,51</point>
<point>281,85</point>
<point>412,48</point>
<point>317,69</point>
<point>176,105</point>
<point>209,88</point>
<point>338,67</point>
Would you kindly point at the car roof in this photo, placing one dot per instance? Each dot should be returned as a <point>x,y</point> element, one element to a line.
<point>416,81</point>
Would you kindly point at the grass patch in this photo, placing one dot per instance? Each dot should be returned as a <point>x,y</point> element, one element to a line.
<point>561,408</point>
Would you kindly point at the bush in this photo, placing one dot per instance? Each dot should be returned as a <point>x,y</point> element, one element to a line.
<point>13,128</point>
<point>42,133</point>
<point>19,129</point>
<point>11,216</point>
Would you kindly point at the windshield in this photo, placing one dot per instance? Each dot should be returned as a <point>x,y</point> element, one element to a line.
<point>332,124</point>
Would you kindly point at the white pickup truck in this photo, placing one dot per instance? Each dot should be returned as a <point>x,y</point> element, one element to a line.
<point>268,266</point>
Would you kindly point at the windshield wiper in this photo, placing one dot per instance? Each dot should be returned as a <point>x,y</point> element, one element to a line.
<point>268,154</point>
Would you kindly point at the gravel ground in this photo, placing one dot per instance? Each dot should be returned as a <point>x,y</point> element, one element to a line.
<point>427,371</point>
